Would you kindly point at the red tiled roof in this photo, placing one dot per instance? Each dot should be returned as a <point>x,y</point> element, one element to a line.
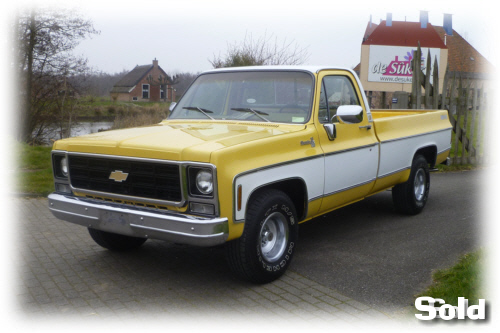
<point>463,57</point>
<point>370,27</point>
<point>404,34</point>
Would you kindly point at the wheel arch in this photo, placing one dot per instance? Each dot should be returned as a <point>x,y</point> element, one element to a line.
<point>295,188</point>
<point>429,153</point>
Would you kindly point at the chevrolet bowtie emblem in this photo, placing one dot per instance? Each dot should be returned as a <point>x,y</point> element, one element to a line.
<point>118,176</point>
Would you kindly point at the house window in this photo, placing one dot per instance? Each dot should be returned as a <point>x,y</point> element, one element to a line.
<point>145,91</point>
<point>162,94</point>
<point>134,98</point>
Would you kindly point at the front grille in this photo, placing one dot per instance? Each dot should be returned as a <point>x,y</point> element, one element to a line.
<point>151,180</point>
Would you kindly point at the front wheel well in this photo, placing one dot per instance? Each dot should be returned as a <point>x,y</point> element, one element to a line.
<point>294,188</point>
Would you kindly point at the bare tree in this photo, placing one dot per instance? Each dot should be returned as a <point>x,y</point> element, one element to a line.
<point>184,80</point>
<point>163,82</point>
<point>96,83</point>
<point>63,111</point>
<point>45,41</point>
<point>262,51</point>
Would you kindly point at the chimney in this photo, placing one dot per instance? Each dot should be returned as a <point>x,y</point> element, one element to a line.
<point>447,24</point>
<point>155,63</point>
<point>424,19</point>
<point>389,20</point>
<point>370,21</point>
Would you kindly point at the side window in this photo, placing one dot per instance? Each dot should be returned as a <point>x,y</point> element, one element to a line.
<point>338,90</point>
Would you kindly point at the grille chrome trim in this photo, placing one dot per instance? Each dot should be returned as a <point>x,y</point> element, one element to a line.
<point>129,198</point>
<point>181,174</point>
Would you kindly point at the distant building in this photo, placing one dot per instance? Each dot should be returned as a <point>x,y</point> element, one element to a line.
<point>147,83</point>
<point>387,49</point>
<point>464,59</point>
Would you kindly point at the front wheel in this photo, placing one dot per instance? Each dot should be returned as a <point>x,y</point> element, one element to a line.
<point>411,196</point>
<point>115,242</point>
<point>264,251</point>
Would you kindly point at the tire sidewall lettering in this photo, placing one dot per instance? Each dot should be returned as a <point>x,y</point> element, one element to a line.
<point>283,261</point>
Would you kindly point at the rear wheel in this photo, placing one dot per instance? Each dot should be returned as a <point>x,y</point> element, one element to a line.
<point>411,196</point>
<point>115,242</point>
<point>264,251</point>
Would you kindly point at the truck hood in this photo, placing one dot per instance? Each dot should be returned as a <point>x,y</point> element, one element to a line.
<point>175,140</point>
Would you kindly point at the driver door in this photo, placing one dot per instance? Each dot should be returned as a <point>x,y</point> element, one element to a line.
<point>351,157</point>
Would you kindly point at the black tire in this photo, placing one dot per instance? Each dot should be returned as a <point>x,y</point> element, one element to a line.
<point>264,251</point>
<point>411,196</point>
<point>115,242</point>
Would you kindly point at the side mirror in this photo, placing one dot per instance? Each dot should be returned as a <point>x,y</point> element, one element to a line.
<point>350,114</point>
<point>172,106</point>
<point>331,131</point>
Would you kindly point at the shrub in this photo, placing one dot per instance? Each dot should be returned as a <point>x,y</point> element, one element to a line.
<point>111,110</point>
<point>136,117</point>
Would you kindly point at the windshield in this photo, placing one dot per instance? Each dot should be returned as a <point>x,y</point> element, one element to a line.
<point>280,96</point>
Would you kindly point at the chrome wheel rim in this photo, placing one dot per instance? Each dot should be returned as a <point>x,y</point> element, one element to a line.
<point>273,237</point>
<point>419,184</point>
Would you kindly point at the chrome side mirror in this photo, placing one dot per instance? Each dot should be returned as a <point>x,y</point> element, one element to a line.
<point>172,106</point>
<point>350,114</point>
<point>331,131</point>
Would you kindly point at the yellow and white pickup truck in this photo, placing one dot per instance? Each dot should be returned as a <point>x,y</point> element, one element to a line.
<point>245,157</point>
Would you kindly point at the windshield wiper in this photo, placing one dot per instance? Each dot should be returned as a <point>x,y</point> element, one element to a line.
<point>255,112</point>
<point>195,108</point>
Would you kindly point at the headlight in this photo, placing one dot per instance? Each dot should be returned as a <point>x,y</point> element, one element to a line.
<point>60,166</point>
<point>204,181</point>
<point>64,166</point>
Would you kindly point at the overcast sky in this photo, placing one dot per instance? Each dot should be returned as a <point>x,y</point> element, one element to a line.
<point>184,34</point>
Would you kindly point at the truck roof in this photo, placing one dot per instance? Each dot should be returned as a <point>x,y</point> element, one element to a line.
<point>307,68</point>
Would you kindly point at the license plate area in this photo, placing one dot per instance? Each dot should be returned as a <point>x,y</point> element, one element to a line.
<point>111,220</point>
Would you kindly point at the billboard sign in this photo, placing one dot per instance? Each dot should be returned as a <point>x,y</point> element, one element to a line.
<point>392,64</point>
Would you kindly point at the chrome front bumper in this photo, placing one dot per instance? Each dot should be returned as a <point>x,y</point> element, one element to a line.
<point>138,222</point>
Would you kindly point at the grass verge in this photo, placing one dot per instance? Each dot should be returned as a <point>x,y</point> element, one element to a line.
<point>33,175</point>
<point>456,167</point>
<point>97,107</point>
<point>461,280</point>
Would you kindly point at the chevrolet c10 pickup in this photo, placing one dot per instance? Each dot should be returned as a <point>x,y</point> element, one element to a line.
<point>243,158</point>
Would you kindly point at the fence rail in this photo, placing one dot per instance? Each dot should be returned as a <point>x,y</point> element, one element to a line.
<point>467,107</point>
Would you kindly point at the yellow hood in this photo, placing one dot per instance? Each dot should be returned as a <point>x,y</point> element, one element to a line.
<point>174,140</point>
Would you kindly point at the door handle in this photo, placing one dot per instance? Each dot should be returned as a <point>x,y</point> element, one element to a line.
<point>367,127</point>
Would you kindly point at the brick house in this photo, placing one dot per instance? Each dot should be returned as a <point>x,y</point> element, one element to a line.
<point>146,83</point>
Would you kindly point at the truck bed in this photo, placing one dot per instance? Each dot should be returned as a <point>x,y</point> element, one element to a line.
<point>385,113</point>
<point>400,132</point>
<point>393,124</point>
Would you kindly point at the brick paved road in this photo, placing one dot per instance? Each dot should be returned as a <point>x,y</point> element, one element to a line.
<point>63,272</point>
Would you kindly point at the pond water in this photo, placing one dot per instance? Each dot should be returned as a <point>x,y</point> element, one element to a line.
<point>81,128</point>
<point>90,127</point>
